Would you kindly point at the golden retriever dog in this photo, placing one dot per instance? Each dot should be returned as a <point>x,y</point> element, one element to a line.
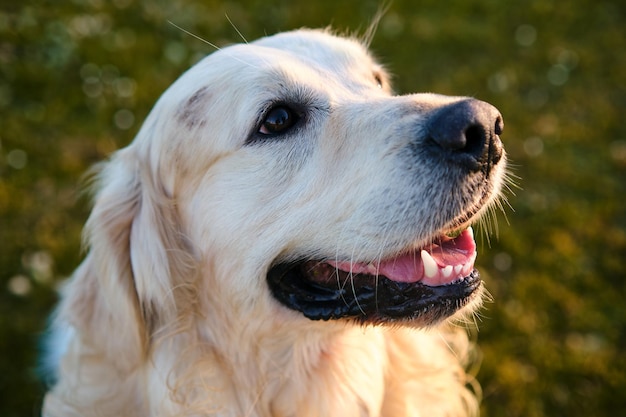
<point>284,237</point>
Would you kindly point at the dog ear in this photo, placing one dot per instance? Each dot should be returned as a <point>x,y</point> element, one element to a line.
<point>126,286</point>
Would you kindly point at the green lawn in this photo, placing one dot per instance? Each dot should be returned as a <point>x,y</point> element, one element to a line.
<point>78,77</point>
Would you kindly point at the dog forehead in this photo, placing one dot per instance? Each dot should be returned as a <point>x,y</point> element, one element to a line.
<point>316,58</point>
<point>299,52</point>
<point>317,45</point>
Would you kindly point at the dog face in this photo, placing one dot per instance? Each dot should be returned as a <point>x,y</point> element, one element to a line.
<point>301,181</point>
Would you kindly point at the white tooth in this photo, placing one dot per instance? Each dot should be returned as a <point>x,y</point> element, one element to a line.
<point>457,269</point>
<point>467,268</point>
<point>471,232</point>
<point>430,266</point>
<point>447,271</point>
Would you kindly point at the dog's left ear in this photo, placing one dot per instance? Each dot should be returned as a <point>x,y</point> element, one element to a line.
<point>136,275</point>
<point>161,260</point>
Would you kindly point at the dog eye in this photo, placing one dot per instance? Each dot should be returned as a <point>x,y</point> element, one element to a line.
<point>278,120</point>
<point>379,80</point>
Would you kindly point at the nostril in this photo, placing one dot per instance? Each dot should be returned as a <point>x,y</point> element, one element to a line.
<point>499,127</point>
<point>474,140</point>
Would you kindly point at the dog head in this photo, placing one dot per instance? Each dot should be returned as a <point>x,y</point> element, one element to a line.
<point>283,178</point>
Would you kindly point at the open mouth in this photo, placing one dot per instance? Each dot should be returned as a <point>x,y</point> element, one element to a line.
<point>423,284</point>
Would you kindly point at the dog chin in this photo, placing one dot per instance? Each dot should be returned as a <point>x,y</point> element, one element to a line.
<point>419,287</point>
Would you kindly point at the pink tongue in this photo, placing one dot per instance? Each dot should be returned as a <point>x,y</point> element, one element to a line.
<point>409,266</point>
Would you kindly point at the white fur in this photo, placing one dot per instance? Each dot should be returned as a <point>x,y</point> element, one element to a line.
<point>170,311</point>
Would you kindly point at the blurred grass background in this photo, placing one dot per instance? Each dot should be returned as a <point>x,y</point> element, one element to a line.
<point>78,77</point>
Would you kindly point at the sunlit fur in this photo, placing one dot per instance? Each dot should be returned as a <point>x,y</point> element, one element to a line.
<point>170,315</point>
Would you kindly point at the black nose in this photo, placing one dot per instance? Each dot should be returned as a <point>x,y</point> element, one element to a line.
<point>466,132</point>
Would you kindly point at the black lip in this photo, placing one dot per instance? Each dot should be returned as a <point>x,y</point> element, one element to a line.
<point>373,300</point>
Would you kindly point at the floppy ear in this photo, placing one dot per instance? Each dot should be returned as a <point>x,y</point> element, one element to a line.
<point>125,288</point>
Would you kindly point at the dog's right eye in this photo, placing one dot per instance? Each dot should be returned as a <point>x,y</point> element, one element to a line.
<point>278,120</point>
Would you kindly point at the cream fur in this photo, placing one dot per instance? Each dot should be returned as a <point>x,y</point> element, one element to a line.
<point>170,315</point>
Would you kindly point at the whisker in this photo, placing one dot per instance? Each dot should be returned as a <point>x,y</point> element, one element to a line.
<point>194,36</point>
<point>352,283</point>
<point>212,44</point>
<point>236,29</point>
<point>368,36</point>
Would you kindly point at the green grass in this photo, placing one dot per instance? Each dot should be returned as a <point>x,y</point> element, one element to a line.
<point>78,77</point>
